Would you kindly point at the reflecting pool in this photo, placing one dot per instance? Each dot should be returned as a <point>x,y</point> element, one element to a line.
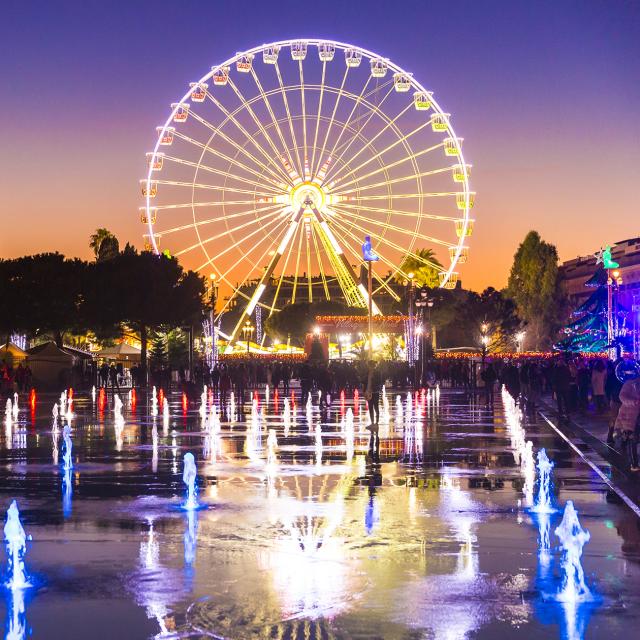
<point>307,525</point>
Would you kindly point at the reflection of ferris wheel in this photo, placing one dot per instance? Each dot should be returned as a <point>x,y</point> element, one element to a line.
<point>277,163</point>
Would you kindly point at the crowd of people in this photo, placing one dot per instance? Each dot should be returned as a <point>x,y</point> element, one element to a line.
<point>577,385</point>
<point>14,378</point>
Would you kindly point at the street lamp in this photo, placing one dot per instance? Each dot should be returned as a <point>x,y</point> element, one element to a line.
<point>484,340</point>
<point>247,330</point>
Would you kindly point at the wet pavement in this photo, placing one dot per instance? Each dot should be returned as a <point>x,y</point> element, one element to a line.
<point>322,534</point>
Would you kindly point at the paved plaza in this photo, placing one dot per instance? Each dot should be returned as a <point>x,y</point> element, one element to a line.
<point>310,526</point>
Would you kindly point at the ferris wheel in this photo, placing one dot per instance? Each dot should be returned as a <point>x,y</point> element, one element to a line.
<point>275,165</point>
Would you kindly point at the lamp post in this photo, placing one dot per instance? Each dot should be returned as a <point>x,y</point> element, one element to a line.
<point>369,257</point>
<point>410,337</point>
<point>484,340</point>
<point>614,281</point>
<point>247,329</point>
<point>213,294</point>
<point>422,302</point>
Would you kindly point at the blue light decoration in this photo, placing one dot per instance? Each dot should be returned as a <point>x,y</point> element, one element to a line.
<point>367,250</point>
<point>258,324</point>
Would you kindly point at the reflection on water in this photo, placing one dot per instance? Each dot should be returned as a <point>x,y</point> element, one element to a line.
<point>318,529</point>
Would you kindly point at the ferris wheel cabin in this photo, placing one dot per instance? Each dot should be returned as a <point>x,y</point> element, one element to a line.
<point>198,91</point>
<point>379,67</point>
<point>402,82</point>
<point>352,57</point>
<point>149,188</point>
<point>149,217</point>
<point>220,76</point>
<point>298,50</point>
<point>155,160</point>
<point>422,100</point>
<point>181,111</point>
<point>244,63</point>
<point>166,135</point>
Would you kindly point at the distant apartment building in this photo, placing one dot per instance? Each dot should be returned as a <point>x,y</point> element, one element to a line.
<point>574,273</point>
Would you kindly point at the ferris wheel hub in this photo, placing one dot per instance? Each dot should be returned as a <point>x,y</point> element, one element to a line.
<point>307,195</point>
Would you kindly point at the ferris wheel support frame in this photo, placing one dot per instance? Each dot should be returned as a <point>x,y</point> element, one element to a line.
<point>336,255</point>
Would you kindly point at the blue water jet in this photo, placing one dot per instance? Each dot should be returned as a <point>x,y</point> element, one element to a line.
<point>16,547</point>
<point>572,540</point>
<point>67,462</point>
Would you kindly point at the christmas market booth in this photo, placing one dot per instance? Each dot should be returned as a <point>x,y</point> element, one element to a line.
<point>345,337</point>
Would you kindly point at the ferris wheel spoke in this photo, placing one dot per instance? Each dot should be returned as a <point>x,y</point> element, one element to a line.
<point>384,183</point>
<point>396,212</point>
<point>332,119</point>
<point>226,174</point>
<point>315,137</point>
<point>347,122</point>
<point>279,170</point>
<point>358,257</point>
<point>349,216</point>
<point>385,167</point>
<point>200,223</point>
<point>272,225</point>
<point>304,123</point>
<point>276,177</point>
<point>213,187</point>
<point>218,154</point>
<point>259,124</point>
<point>391,124</point>
<point>212,203</point>
<point>226,232</point>
<point>401,140</point>
<point>340,153</point>
<point>285,101</point>
<point>254,264</point>
<point>276,124</point>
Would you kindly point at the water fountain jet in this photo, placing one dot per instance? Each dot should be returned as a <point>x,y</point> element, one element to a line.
<point>572,540</point>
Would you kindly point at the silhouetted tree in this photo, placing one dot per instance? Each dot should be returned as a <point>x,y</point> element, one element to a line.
<point>535,288</point>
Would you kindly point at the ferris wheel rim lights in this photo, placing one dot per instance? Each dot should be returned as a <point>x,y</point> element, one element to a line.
<point>350,50</point>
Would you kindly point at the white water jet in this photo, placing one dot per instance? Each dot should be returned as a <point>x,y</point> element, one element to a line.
<point>266,394</point>
<point>154,443</point>
<point>117,404</point>
<point>165,411</point>
<point>543,499</point>
<point>272,446</point>
<point>318,446</point>
<point>529,471</point>
<point>154,402</point>
<point>93,393</point>
<point>15,407</point>
<point>203,404</point>
<point>16,547</point>
<point>572,540</point>
<point>189,478</point>
<point>286,417</point>
<point>349,434</point>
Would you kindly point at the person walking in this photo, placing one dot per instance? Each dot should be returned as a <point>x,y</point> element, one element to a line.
<point>598,380</point>
<point>625,430</point>
<point>489,377</point>
<point>372,393</point>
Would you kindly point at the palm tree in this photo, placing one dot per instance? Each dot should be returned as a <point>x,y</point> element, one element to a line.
<point>425,267</point>
<point>104,244</point>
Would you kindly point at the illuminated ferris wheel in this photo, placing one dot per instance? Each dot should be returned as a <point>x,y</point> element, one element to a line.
<point>273,167</point>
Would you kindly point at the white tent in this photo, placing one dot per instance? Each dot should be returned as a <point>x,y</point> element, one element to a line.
<point>50,366</point>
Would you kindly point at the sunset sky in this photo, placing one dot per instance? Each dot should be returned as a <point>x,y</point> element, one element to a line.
<point>546,95</point>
